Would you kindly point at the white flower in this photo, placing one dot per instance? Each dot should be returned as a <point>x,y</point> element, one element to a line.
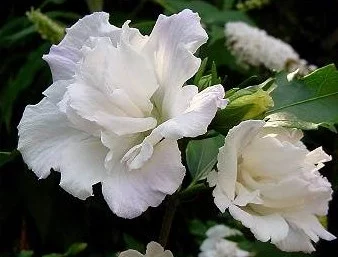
<point>117,108</point>
<point>270,182</point>
<point>153,250</point>
<point>252,46</point>
<point>216,246</point>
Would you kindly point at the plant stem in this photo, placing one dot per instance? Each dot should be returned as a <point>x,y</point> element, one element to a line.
<point>168,219</point>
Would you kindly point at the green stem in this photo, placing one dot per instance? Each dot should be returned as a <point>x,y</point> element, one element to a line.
<point>168,218</point>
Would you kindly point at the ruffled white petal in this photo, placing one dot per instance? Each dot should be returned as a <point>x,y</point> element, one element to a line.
<point>129,193</point>
<point>156,250</point>
<point>236,140</point>
<point>63,57</point>
<point>193,122</point>
<point>47,140</point>
<point>113,89</point>
<point>266,227</point>
<point>171,45</point>
<point>153,250</point>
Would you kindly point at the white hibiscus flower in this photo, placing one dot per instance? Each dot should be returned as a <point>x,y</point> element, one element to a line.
<point>117,107</point>
<point>270,182</point>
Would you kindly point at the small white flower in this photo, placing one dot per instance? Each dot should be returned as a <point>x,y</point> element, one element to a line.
<point>116,109</point>
<point>270,182</point>
<point>153,250</point>
<point>252,46</point>
<point>216,246</point>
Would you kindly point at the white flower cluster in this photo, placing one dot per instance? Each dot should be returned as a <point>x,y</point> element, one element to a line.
<point>119,103</point>
<point>253,46</point>
<point>215,245</point>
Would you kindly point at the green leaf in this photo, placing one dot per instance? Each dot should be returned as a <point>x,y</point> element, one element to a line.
<point>312,99</point>
<point>132,243</point>
<point>202,156</point>
<point>200,71</point>
<point>21,82</point>
<point>209,13</point>
<point>26,253</point>
<point>197,228</point>
<point>53,255</point>
<point>7,157</point>
<point>75,249</point>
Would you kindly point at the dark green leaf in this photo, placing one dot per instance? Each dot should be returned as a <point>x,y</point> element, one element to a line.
<point>132,243</point>
<point>202,156</point>
<point>200,71</point>
<point>21,82</point>
<point>75,249</point>
<point>313,99</point>
<point>25,253</point>
<point>7,157</point>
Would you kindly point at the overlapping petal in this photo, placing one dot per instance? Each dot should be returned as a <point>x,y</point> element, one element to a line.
<point>269,181</point>
<point>48,140</point>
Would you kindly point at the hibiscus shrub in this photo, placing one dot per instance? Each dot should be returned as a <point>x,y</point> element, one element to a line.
<point>168,128</point>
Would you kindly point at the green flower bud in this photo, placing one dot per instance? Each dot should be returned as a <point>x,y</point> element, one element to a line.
<point>47,28</point>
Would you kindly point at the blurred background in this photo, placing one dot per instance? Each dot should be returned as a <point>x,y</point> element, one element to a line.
<point>38,217</point>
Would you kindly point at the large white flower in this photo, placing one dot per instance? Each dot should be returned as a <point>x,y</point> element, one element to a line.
<point>270,182</point>
<point>117,107</point>
<point>215,245</point>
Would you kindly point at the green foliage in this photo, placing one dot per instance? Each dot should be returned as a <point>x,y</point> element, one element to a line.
<point>133,243</point>
<point>6,157</point>
<point>23,80</point>
<point>308,102</point>
<point>201,156</point>
<point>74,250</point>
<point>48,29</point>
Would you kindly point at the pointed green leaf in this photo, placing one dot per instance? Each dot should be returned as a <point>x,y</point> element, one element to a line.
<point>312,99</point>
<point>7,157</point>
<point>75,249</point>
<point>202,156</point>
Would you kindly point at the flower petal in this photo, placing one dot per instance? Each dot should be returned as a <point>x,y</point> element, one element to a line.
<point>171,45</point>
<point>265,227</point>
<point>107,75</point>
<point>63,57</point>
<point>47,140</point>
<point>237,139</point>
<point>195,120</point>
<point>130,253</point>
<point>295,241</point>
<point>156,250</point>
<point>160,175</point>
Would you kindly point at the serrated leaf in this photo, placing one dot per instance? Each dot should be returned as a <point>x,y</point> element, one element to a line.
<point>312,99</point>
<point>202,156</point>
